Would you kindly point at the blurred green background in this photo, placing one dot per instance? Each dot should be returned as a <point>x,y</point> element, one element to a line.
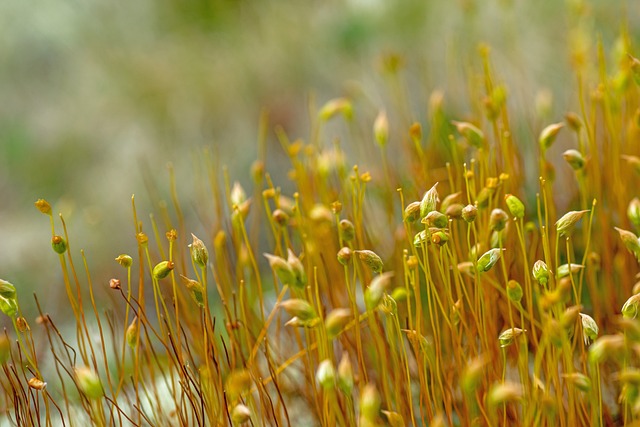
<point>96,92</point>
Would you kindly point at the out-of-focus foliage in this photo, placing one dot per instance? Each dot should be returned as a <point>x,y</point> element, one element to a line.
<point>97,96</point>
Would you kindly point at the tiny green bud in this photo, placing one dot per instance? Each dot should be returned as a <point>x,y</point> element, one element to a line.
<point>424,344</point>
<point>482,199</point>
<point>345,375</point>
<point>132,333</point>
<point>237,383</point>
<point>633,212</point>
<point>569,316</point>
<point>282,269</point>
<point>514,291</point>
<point>124,260</point>
<point>371,259</point>
<point>548,299</point>
<point>530,227</point>
<point>162,269</point>
<point>498,219</point>
<point>7,290</point>
<point>238,196</point>
<point>496,239</point>
<point>381,129</point>
<point>37,384</point>
<point>633,161</point>
<point>454,210</point>
<point>412,212</point>
<point>515,206</point>
<point>370,403</point>
<point>429,201</point>
<point>471,133</point>
<point>199,253</point>
<point>376,289</point>
<point>566,269</point>
<point>629,375</point>
<point>336,320</point>
<point>240,213</point>
<point>573,120</point>
<point>115,284</point>
<point>454,313</point>
<point>472,375</point>
<point>143,239</point>
<point>8,299</point>
<point>436,219</point>
<point>347,230</point>
<point>548,135</point>
<point>394,419</point>
<point>549,404</point>
<point>578,380</point>
<point>630,327</point>
<point>439,238</point>
<point>489,259</point>
<point>449,200</point>
<point>423,237</point>
<point>326,374</point>
<point>492,182</point>
<point>22,324</point>
<point>280,217</point>
<point>299,308</point>
<point>344,255</point>
<point>240,414</point>
<point>604,347</point>
<point>298,270</point>
<point>508,336</point>
<point>330,161</point>
<point>9,307</point>
<point>58,244</point>
<point>336,106</point>
<point>589,328</point>
<point>412,262</point>
<point>388,305</point>
<point>319,213</point>
<point>297,323</point>
<point>630,241</point>
<point>501,393</point>
<point>469,213</point>
<point>466,268</point>
<point>257,170</point>
<point>399,294</point>
<point>496,101</point>
<point>475,250</point>
<point>564,289</point>
<point>630,307</point>
<point>574,158</point>
<point>196,290</point>
<point>43,206</point>
<point>565,225</point>
<point>541,272</point>
<point>89,382</point>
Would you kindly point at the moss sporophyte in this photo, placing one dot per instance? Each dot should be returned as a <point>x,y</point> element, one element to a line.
<point>456,274</point>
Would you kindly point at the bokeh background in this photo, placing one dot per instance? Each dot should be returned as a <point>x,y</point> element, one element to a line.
<point>98,95</point>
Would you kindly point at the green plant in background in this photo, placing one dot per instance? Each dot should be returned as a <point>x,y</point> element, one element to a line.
<point>438,269</point>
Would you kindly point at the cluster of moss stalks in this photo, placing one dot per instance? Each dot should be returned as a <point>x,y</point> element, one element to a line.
<point>445,291</point>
